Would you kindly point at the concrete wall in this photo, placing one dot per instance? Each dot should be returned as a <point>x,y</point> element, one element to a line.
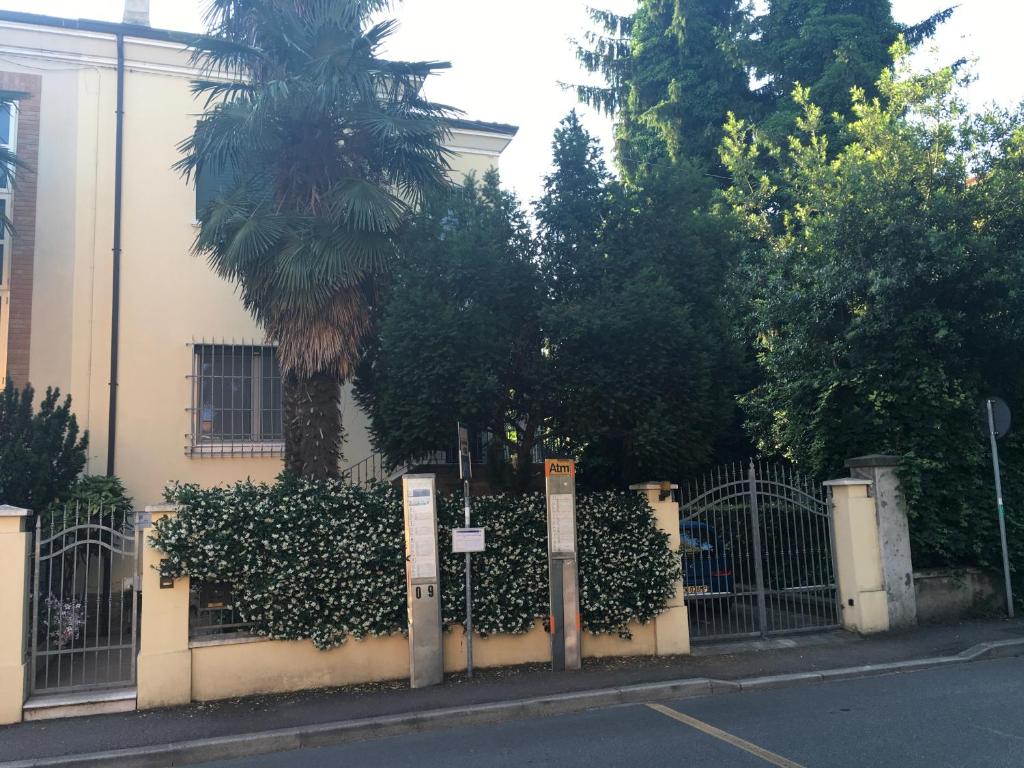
<point>14,586</point>
<point>949,595</point>
<point>169,298</point>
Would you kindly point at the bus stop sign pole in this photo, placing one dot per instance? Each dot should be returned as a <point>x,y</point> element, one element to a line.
<point>466,471</point>
<point>993,437</point>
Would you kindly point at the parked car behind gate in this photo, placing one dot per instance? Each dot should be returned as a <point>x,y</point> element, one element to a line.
<point>707,566</point>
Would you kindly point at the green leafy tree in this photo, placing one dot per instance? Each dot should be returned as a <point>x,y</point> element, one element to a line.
<point>886,299</point>
<point>640,348</point>
<point>325,147</point>
<point>459,335</point>
<point>41,452</point>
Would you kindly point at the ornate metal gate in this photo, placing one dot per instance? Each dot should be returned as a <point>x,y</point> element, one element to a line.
<point>757,553</point>
<point>85,600</point>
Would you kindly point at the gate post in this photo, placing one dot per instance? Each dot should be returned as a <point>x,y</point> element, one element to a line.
<point>165,661</point>
<point>860,582</point>
<point>893,533</point>
<point>14,588</point>
<point>672,626</point>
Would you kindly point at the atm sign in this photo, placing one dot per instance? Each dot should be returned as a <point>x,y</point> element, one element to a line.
<point>559,468</point>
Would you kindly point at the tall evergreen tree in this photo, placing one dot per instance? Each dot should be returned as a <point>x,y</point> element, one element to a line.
<point>828,47</point>
<point>672,75</point>
<point>572,211</point>
<point>675,69</point>
<point>639,347</point>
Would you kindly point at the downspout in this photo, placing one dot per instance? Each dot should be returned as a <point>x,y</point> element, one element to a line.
<point>115,311</point>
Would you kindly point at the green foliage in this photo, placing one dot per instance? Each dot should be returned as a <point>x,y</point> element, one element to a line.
<point>325,148</point>
<point>325,561</point>
<point>604,333</point>
<point>828,47</point>
<point>459,334</point>
<point>885,295</point>
<point>97,497</point>
<point>640,348</point>
<point>572,211</point>
<point>675,69</point>
<point>41,452</point>
<point>510,578</point>
<point>672,74</point>
<point>306,560</point>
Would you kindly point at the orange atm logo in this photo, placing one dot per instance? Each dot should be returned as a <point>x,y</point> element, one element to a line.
<point>559,468</point>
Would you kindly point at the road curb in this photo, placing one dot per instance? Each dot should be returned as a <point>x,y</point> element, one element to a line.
<point>327,734</point>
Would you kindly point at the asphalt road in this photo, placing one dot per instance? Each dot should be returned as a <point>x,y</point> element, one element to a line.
<point>967,715</point>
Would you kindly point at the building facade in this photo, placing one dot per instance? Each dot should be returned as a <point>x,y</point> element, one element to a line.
<point>197,388</point>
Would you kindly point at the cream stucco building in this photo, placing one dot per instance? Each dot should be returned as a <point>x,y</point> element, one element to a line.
<point>198,397</point>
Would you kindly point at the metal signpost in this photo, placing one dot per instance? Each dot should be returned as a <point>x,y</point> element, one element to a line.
<point>560,489</point>
<point>998,416</point>
<point>423,581</point>
<point>466,473</point>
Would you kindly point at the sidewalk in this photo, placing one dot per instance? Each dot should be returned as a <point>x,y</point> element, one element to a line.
<point>781,656</point>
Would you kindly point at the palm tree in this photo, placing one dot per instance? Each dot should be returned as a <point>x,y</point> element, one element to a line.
<point>326,148</point>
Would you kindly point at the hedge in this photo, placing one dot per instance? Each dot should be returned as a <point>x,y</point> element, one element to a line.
<point>325,561</point>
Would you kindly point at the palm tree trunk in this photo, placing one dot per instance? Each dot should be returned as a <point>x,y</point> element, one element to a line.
<point>313,432</point>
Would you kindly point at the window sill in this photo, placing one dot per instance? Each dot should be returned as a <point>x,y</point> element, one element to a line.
<point>250,449</point>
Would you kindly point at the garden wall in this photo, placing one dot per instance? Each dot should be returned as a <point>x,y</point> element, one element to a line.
<point>945,595</point>
<point>224,668</point>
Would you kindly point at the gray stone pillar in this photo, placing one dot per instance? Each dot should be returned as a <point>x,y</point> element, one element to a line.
<point>894,535</point>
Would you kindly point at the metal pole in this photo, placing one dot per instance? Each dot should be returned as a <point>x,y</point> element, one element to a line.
<point>469,592</point>
<point>999,506</point>
<point>755,519</point>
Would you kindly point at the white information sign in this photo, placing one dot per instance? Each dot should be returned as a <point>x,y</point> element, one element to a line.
<point>563,527</point>
<point>422,538</point>
<point>468,540</point>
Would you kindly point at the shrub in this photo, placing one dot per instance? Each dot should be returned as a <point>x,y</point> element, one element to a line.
<point>306,560</point>
<point>324,560</point>
<point>41,452</point>
<point>96,498</point>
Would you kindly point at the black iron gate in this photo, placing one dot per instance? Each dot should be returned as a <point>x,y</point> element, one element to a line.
<point>757,553</point>
<point>85,600</point>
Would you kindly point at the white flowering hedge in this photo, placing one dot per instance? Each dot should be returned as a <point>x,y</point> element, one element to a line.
<point>325,561</point>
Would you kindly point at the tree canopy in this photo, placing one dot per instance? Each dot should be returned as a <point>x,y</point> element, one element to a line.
<point>885,297</point>
<point>675,69</point>
<point>459,335</point>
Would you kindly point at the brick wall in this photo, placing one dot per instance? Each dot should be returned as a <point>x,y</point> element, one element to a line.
<point>23,206</point>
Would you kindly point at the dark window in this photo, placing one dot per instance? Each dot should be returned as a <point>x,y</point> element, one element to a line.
<point>236,399</point>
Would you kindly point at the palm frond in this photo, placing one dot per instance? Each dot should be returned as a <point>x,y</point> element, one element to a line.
<point>326,148</point>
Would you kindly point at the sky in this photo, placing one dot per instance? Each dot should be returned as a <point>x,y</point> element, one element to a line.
<point>509,58</point>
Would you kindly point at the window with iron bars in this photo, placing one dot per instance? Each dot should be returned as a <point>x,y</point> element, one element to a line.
<point>236,400</point>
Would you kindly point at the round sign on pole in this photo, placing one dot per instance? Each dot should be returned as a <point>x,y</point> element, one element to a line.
<point>1001,418</point>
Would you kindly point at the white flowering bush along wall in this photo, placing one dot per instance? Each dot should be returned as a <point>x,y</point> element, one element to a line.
<point>325,561</point>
